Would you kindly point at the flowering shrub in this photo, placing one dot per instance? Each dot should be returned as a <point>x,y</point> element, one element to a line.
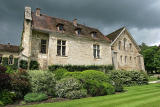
<point>42,81</point>
<point>76,94</point>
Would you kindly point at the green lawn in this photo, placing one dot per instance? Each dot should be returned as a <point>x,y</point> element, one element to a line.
<point>137,96</point>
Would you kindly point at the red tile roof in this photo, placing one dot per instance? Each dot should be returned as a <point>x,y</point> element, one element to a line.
<point>48,23</point>
<point>9,48</point>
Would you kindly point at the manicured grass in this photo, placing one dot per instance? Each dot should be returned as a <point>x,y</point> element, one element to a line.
<point>137,96</point>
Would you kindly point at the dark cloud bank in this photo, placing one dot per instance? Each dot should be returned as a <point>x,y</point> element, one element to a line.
<point>139,16</point>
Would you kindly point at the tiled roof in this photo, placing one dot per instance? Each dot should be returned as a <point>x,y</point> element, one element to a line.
<point>9,48</point>
<point>48,23</point>
<point>112,36</point>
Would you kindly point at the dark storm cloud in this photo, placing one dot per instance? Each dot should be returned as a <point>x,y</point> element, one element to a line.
<point>102,14</point>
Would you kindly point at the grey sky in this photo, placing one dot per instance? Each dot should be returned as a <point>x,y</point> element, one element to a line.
<point>141,17</point>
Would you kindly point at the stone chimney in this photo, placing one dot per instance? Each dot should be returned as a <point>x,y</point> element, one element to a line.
<point>28,13</point>
<point>38,11</point>
<point>75,22</point>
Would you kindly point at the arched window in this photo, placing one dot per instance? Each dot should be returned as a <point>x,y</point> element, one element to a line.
<point>10,60</point>
<point>119,45</point>
<point>1,58</point>
<point>130,47</point>
<point>124,41</point>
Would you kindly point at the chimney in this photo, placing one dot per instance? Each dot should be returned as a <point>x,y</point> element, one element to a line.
<point>75,22</point>
<point>8,43</point>
<point>28,13</point>
<point>38,11</point>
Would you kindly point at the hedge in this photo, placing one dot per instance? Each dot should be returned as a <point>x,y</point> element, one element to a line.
<point>73,68</point>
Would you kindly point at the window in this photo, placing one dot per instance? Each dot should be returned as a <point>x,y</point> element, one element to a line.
<point>94,34</point>
<point>121,58</point>
<point>43,46</point>
<point>10,60</point>
<point>135,59</point>
<point>130,59</point>
<point>60,27</point>
<point>130,47</point>
<point>61,47</point>
<point>125,59</point>
<point>78,31</point>
<point>124,41</point>
<point>96,51</point>
<point>1,58</point>
<point>119,45</point>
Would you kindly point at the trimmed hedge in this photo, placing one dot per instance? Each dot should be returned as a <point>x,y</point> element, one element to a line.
<point>23,64</point>
<point>128,78</point>
<point>73,68</point>
<point>33,97</point>
<point>34,65</point>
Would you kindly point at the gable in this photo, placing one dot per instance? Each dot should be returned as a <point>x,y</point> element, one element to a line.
<point>123,33</point>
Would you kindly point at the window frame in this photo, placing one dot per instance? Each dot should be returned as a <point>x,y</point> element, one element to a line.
<point>96,51</point>
<point>62,49</point>
<point>60,27</point>
<point>125,59</point>
<point>119,45</point>
<point>94,34</point>
<point>124,41</point>
<point>43,46</point>
<point>10,62</point>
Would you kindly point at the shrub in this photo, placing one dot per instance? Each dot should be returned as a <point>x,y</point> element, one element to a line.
<point>23,64</point>
<point>1,103</point>
<point>95,88</point>
<point>59,73</point>
<point>5,61</point>
<point>6,97</point>
<point>76,94</point>
<point>42,82</point>
<point>33,97</point>
<point>20,83</point>
<point>77,75</point>
<point>34,65</point>
<point>4,79</point>
<point>128,78</point>
<point>65,86</point>
<point>73,68</point>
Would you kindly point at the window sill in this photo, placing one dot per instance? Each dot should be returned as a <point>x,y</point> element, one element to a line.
<point>61,56</point>
<point>97,58</point>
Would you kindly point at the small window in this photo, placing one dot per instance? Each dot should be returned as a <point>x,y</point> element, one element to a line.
<point>130,47</point>
<point>60,27</point>
<point>130,59</point>
<point>135,59</point>
<point>96,51</point>
<point>119,45</point>
<point>10,60</point>
<point>78,31</point>
<point>94,34</point>
<point>125,59</point>
<point>43,46</point>
<point>1,58</point>
<point>61,47</point>
<point>121,58</point>
<point>124,41</point>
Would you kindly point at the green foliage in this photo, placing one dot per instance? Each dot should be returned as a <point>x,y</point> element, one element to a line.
<point>34,97</point>
<point>6,97</point>
<point>95,88</point>
<point>1,103</point>
<point>76,94</point>
<point>151,56</point>
<point>34,65</point>
<point>59,73</point>
<point>20,83</point>
<point>73,68</point>
<point>128,78</point>
<point>42,81</point>
<point>23,64</point>
<point>5,61</point>
<point>67,86</point>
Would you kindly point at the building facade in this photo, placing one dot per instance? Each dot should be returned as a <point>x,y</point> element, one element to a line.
<point>53,41</point>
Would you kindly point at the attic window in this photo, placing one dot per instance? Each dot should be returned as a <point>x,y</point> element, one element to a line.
<point>78,31</point>
<point>60,27</point>
<point>94,34</point>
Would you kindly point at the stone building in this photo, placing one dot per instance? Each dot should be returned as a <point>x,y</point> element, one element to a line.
<point>51,41</point>
<point>125,51</point>
<point>10,52</point>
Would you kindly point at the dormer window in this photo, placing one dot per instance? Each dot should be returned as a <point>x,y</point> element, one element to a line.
<point>60,27</point>
<point>94,34</point>
<point>78,31</point>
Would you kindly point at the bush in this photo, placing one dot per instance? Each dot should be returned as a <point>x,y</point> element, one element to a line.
<point>59,73</point>
<point>33,97</point>
<point>67,86</point>
<point>4,78</point>
<point>73,68</point>
<point>128,78</point>
<point>42,82</point>
<point>1,103</point>
<point>20,83</point>
<point>23,64</point>
<point>95,88</point>
<point>76,94</point>
<point>6,97</point>
<point>5,61</point>
<point>34,65</point>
